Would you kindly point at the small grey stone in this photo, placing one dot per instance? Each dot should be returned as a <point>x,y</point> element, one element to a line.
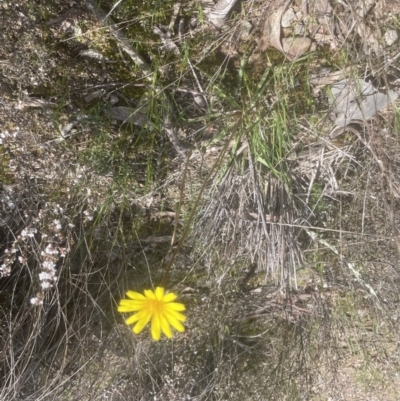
<point>390,37</point>
<point>113,99</point>
<point>299,29</point>
<point>288,18</point>
<point>93,95</point>
<point>128,115</point>
<point>245,31</point>
<point>296,47</point>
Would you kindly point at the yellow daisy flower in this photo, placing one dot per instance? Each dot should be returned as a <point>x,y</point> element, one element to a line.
<point>157,307</point>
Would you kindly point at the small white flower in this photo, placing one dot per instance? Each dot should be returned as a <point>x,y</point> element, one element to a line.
<point>45,285</point>
<point>48,265</point>
<point>36,301</point>
<point>28,232</point>
<point>45,276</point>
<point>50,250</point>
<point>5,270</point>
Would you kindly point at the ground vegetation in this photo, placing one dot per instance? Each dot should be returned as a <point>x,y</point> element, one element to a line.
<point>243,155</point>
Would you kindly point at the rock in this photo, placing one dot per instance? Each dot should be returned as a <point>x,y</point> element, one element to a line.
<point>287,32</point>
<point>113,99</point>
<point>94,95</point>
<point>299,29</point>
<point>128,115</point>
<point>219,12</point>
<point>245,31</point>
<point>288,18</point>
<point>358,100</point>
<point>296,47</point>
<point>390,37</point>
<point>363,7</point>
<point>323,11</point>
<point>321,38</point>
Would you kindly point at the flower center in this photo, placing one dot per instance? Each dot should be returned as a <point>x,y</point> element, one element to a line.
<point>155,306</point>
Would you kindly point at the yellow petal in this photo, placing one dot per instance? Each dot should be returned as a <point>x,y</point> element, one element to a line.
<point>140,325</point>
<point>169,297</point>
<point>135,296</point>
<point>126,302</point>
<point>175,306</point>
<point>159,293</point>
<point>174,322</point>
<point>128,308</point>
<point>174,314</point>
<point>137,316</point>
<point>127,305</point>
<point>165,327</point>
<point>155,328</point>
<point>149,294</point>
